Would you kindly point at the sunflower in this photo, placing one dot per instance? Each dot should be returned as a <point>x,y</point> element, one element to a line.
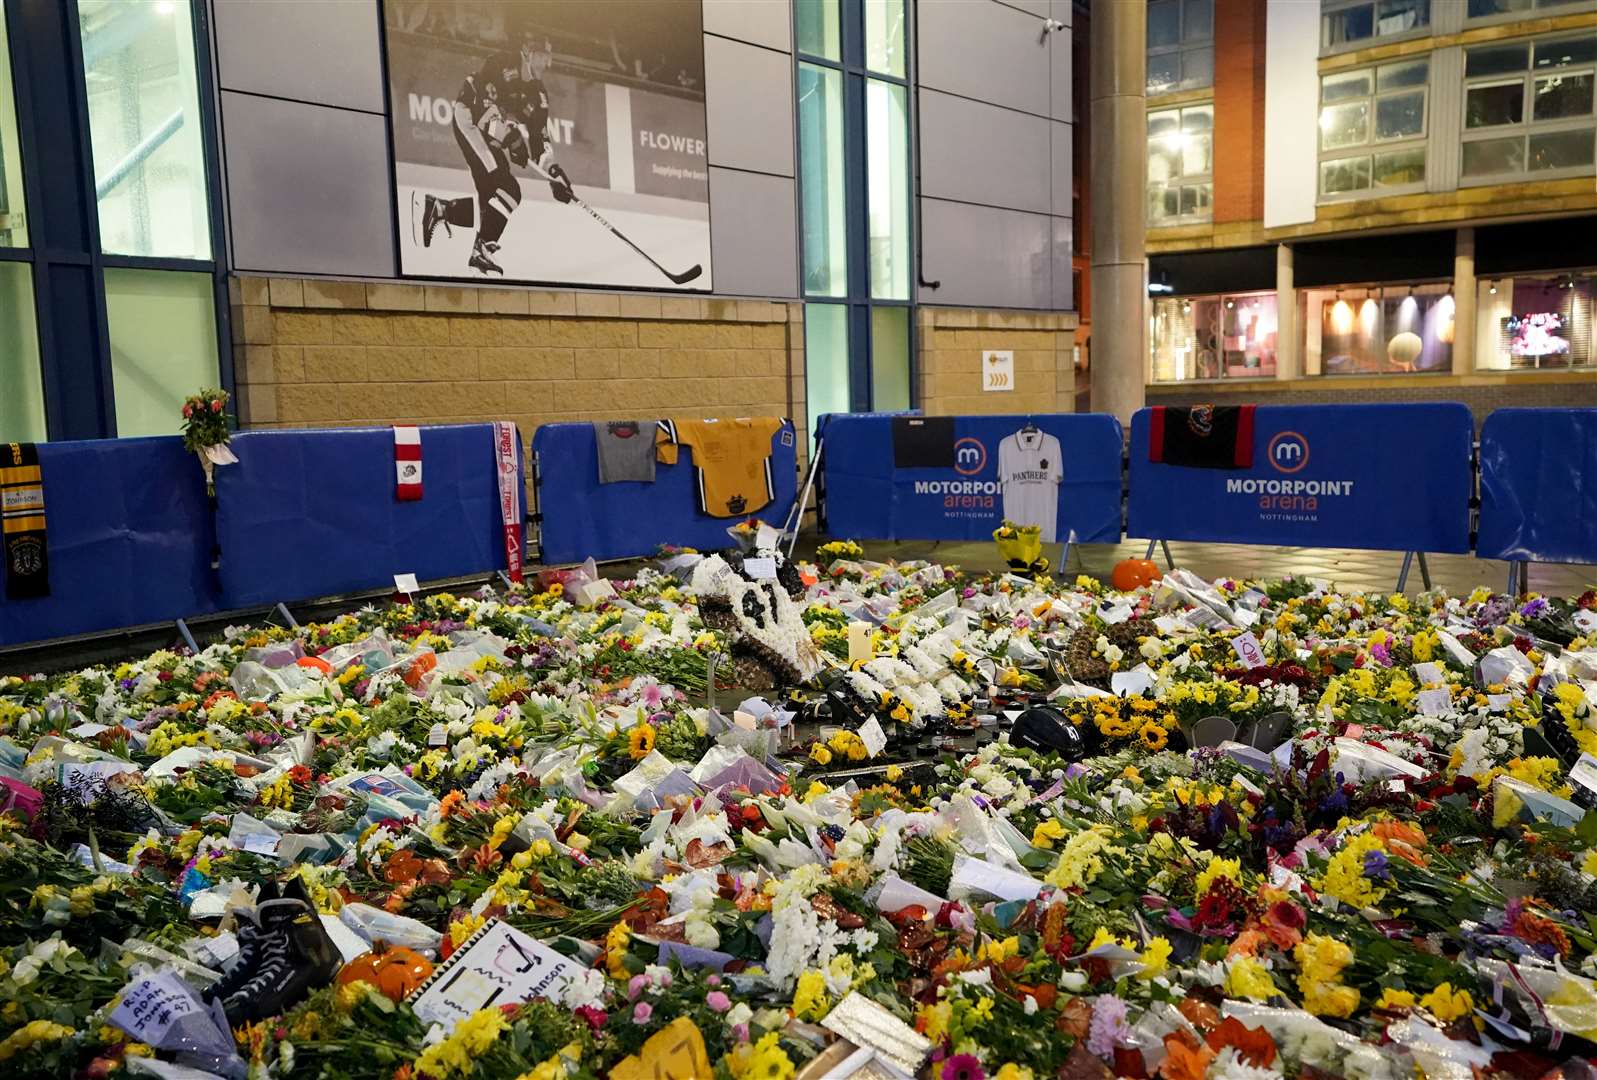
<point>1153,735</point>
<point>640,741</point>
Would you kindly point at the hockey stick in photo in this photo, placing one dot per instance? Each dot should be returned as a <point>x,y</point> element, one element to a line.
<point>681,279</point>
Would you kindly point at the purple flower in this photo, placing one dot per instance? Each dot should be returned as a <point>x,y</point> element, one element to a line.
<point>641,1012</point>
<point>1534,610</point>
<point>1375,867</point>
<point>1108,1026</point>
<point>718,1001</point>
<point>1382,654</point>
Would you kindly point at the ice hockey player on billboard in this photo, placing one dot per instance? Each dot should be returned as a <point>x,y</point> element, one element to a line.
<point>500,118</point>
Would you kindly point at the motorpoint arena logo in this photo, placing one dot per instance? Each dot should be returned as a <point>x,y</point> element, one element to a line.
<point>1288,452</point>
<point>970,456</point>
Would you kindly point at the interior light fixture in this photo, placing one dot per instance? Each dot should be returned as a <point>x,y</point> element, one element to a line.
<point>1493,289</point>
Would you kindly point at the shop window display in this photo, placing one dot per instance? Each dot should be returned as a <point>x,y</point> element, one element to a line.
<point>1230,336</point>
<point>1377,330</point>
<point>1534,322</point>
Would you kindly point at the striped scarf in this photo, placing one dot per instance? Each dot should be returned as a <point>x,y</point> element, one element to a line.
<point>22,510</point>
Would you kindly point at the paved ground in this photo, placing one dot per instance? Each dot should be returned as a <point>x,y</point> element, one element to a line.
<point>1346,568</point>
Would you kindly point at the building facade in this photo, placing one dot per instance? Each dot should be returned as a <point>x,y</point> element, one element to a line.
<point>1372,200</point>
<point>204,192</point>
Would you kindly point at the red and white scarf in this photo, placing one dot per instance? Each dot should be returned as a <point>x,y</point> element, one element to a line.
<point>506,441</point>
<point>407,463</point>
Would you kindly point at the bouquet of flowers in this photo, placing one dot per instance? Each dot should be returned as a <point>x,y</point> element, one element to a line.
<point>205,432</point>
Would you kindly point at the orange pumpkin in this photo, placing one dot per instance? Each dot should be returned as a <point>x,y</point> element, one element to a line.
<point>1132,574</point>
<point>393,969</point>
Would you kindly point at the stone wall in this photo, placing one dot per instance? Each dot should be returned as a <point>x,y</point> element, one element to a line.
<point>950,343</point>
<point>313,352</point>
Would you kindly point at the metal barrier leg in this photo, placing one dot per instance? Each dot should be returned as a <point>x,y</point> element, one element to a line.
<point>288,618</point>
<point>795,518</point>
<point>1168,561</point>
<point>1149,553</point>
<point>1402,575</point>
<point>1425,572</point>
<point>1513,573</point>
<point>188,638</point>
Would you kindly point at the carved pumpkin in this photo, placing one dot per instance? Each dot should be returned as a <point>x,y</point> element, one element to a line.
<point>1132,574</point>
<point>393,969</point>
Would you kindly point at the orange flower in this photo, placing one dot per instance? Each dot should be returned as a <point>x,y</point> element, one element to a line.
<point>1253,1045</point>
<point>451,803</point>
<point>1403,839</point>
<point>1247,943</point>
<point>1185,1057</point>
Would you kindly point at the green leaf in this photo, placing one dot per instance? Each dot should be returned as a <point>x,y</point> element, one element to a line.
<point>1587,829</point>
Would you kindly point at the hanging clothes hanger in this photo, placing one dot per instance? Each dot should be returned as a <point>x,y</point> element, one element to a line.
<point>1030,428</point>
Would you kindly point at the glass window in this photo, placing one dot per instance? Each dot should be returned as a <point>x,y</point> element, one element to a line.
<point>22,402</point>
<point>884,36</point>
<point>13,215</point>
<point>1180,165</point>
<point>818,29</point>
<point>1490,9</point>
<point>163,345</point>
<point>825,360</point>
<point>1180,45</point>
<point>890,359</point>
<point>1532,103</point>
<point>821,174</point>
<point>1373,107</point>
<point>887,183</point>
<point>1535,321</point>
<point>1343,24</point>
<point>144,127</point>
<point>1214,337</point>
<point>1378,330</point>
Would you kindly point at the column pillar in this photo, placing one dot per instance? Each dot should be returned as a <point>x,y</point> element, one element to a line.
<point>1464,302</point>
<point>1288,341</point>
<point>1119,163</point>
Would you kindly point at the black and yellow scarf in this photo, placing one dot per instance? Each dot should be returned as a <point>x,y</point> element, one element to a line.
<point>22,509</point>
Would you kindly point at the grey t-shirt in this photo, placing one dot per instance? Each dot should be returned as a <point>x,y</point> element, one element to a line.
<point>626,449</point>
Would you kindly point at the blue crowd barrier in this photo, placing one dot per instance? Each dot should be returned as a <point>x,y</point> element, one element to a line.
<point>1382,477</point>
<point>129,538</point>
<point>1539,486</point>
<point>869,498</point>
<point>307,514</point>
<point>580,517</point>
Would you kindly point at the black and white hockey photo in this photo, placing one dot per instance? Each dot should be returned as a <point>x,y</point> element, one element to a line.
<point>558,141</point>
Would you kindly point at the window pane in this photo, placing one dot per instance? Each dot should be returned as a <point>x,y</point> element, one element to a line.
<point>1198,119</point>
<point>1494,60</point>
<point>163,345</point>
<point>1479,9</point>
<point>1344,175</point>
<point>825,360</point>
<point>1344,125</point>
<point>1562,95</point>
<point>1401,16</point>
<point>884,36</point>
<point>1197,154</point>
<point>1488,156</point>
<point>1561,149</point>
<point>889,359</point>
<point>1197,67</point>
<point>818,28</point>
<point>1567,51</point>
<point>1195,200</point>
<point>13,217</point>
<point>1399,167</point>
<point>821,174</point>
<point>144,126</point>
<point>1198,20</point>
<point>1349,24</point>
<point>1400,115</point>
<point>1163,203</point>
<point>1164,22</point>
<point>1164,123</point>
<point>1488,106</point>
<point>1349,84</point>
<point>1164,159</point>
<point>1398,76</point>
<point>1164,72</point>
<point>22,402</point>
<point>887,181</point>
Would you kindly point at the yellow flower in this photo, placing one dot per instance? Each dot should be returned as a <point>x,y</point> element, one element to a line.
<point>1230,869</point>
<point>809,999</point>
<point>1395,999</point>
<point>934,1020</point>
<point>1344,874</point>
<point>1081,859</point>
<point>640,741</point>
<point>894,773</point>
<point>615,949</point>
<point>463,927</point>
<point>1447,1004</point>
<point>1010,1071</point>
<point>1155,958</point>
<point>1250,979</point>
<point>471,1039</point>
<point>820,754</point>
<point>1153,735</point>
<point>1047,831</point>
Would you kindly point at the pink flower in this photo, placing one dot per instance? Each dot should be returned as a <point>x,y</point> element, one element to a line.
<point>963,1067</point>
<point>717,1001</point>
<point>594,1015</point>
<point>713,980</point>
<point>216,404</point>
<point>188,410</point>
<point>641,1012</point>
<point>740,1032</point>
<point>636,985</point>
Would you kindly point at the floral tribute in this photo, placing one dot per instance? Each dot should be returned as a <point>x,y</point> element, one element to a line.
<point>1358,843</point>
<point>205,432</point>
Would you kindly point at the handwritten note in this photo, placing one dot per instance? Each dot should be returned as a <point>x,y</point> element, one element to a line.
<point>151,1006</point>
<point>1248,650</point>
<point>499,966</point>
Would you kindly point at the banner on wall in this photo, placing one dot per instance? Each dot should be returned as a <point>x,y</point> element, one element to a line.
<point>550,141</point>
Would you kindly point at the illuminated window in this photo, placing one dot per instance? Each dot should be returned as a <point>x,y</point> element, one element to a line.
<point>1378,329</point>
<point>1228,336</point>
<point>1372,129</point>
<point>1528,109</point>
<point>1180,165</point>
